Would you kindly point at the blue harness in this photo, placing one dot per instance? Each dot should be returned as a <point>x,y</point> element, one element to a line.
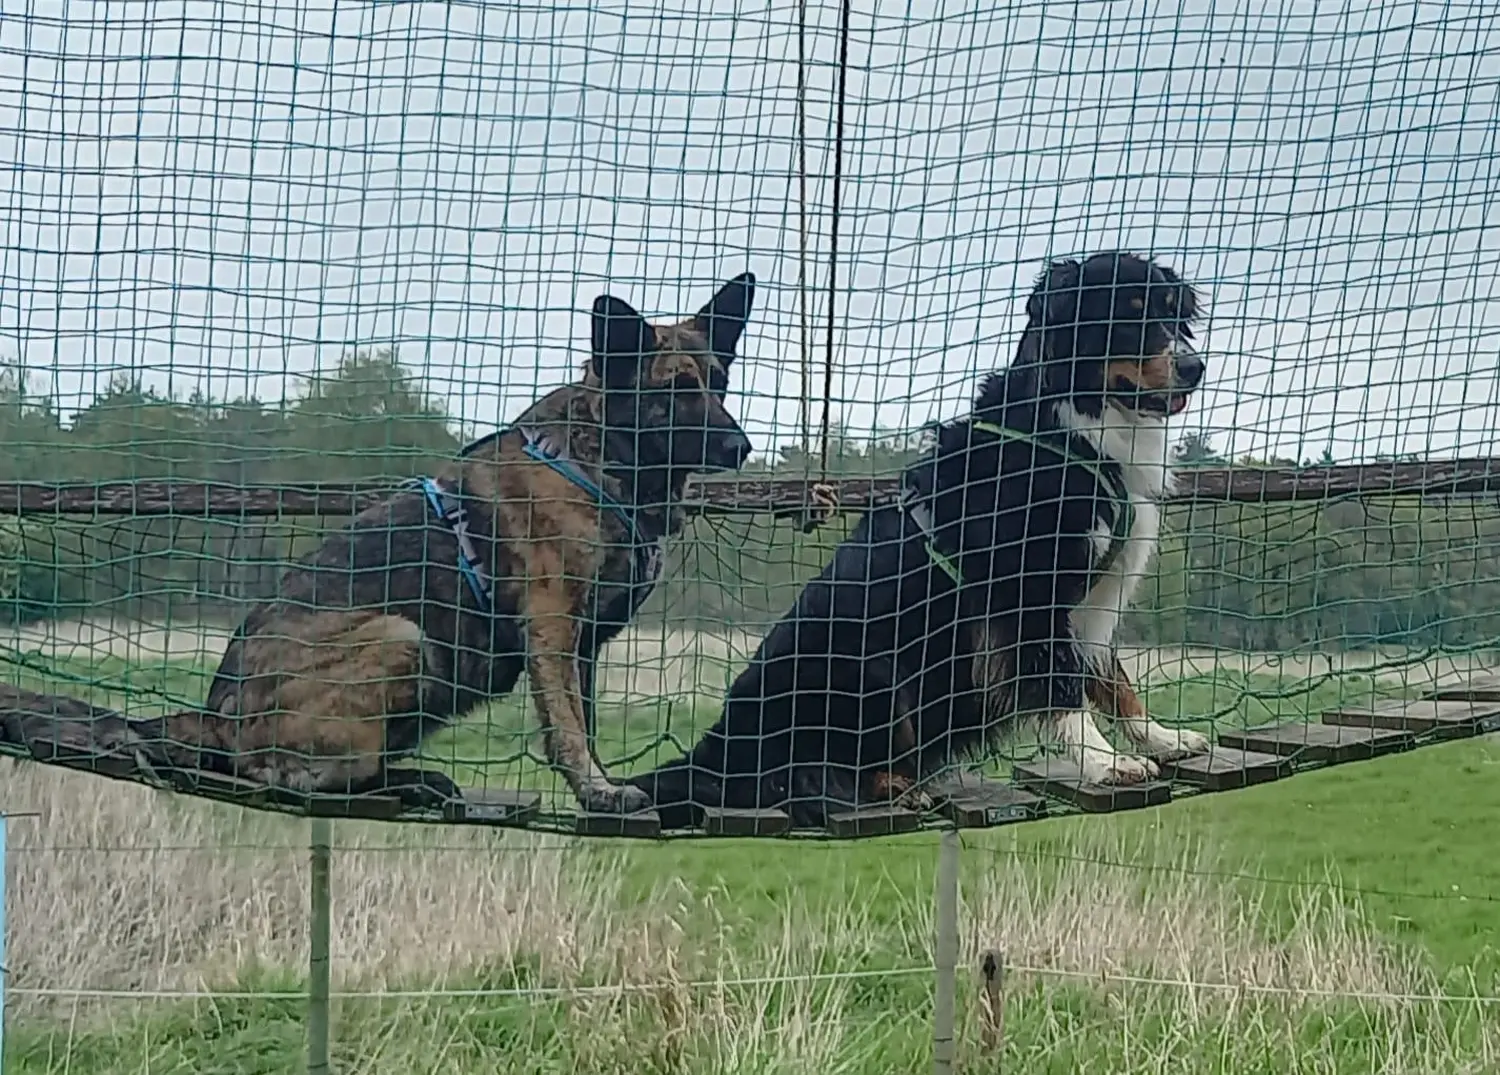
<point>450,509</point>
<point>447,507</point>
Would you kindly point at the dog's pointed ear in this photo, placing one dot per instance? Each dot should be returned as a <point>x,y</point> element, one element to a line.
<point>1054,299</point>
<point>724,316</point>
<point>622,339</point>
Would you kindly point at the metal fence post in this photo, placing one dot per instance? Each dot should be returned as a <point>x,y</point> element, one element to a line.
<point>3,970</point>
<point>946,954</point>
<point>318,954</point>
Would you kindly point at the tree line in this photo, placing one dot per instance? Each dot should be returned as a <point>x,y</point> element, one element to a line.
<point>1348,573</point>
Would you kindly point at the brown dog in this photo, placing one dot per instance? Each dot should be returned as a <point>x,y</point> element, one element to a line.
<point>530,552</point>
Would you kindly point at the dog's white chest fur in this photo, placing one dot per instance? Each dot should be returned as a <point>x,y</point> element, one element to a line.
<point>1140,446</point>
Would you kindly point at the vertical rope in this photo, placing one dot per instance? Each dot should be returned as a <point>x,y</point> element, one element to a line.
<point>845,11</point>
<point>3,971</point>
<point>804,404</point>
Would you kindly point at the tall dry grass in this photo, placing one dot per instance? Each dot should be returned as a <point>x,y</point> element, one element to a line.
<point>115,887</point>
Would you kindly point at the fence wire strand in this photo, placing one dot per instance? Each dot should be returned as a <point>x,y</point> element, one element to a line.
<point>395,329</point>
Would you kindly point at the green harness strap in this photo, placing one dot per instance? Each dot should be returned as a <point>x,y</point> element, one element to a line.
<point>1124,514</point>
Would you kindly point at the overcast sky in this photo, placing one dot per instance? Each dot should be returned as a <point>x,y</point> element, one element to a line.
<point>226,195</point>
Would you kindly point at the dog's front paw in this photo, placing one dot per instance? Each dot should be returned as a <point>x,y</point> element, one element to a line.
<point>916,800</point>
<point>1173,743</point>
<point>1107,767</point>
<point>602,797</point>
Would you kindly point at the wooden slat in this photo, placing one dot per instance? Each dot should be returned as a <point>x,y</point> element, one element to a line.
<point>1062,779</point>
<point>1482,688</point>
<point>645,824</point>
<point>1226,767</point>
<point>493,806</point>
<point>1444,719</point>
<point>366,807</point>
<point>103,763</point>
<point>982,804</point>
<point>873,821</point>
<point>725,822</point>
<point>1329,744</point>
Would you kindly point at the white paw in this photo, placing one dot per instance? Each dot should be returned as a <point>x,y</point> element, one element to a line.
<point>1169,744</point>
<point>1107,767</point>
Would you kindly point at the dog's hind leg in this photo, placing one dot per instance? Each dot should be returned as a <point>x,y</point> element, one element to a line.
<point>588,686</point>
<point>1115,696</point>
<point>329,722</point>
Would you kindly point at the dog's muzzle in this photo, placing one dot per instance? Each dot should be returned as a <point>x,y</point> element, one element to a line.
<point>731,448</point>
<point>1188,370</point>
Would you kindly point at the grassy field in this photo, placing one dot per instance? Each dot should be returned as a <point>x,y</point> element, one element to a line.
<point>1342,921</point>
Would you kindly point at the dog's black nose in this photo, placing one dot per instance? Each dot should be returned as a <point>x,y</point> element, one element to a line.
<point>1188,368</point>
<point>737,447</point>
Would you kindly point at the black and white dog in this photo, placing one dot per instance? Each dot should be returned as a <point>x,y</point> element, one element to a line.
<point>992,594</point>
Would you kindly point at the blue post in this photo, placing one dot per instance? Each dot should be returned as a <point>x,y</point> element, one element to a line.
<point>2,943</point>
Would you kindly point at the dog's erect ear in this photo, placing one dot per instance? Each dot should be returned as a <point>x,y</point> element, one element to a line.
<point>723,317</point>
<point>622,340</point>
<point>1054,299</point>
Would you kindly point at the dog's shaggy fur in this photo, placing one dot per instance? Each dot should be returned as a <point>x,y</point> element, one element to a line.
<point>1044,504</point>
<point>378,638</point>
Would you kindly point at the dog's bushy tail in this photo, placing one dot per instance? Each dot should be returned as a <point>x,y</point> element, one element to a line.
<point>49,725</point>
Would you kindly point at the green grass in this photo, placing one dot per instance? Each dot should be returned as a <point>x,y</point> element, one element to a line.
<point>1391,857</point>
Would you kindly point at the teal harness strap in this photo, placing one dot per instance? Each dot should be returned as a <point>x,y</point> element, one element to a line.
<point>447,506</point>
<point>923,518</point>
<point>1123,514</point>
<point>538,448</point>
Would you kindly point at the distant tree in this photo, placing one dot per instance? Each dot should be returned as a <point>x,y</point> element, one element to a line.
<point>1389,571</point>
<point>1195,450</point>
<point>29,428</point>
<point>369,418</point>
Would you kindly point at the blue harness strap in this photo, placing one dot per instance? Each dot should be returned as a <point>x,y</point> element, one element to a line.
<point>449,508</point>
<point>540,449</point>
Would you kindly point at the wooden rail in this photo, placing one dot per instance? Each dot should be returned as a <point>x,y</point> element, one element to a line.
<point>1240,485</point>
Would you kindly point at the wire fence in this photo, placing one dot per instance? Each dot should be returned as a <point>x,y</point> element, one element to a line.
<point>1215,973</point>
<point>381,252</point>
<point>375,329</point>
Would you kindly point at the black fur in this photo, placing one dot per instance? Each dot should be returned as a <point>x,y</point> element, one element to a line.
<point>873,669</point>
